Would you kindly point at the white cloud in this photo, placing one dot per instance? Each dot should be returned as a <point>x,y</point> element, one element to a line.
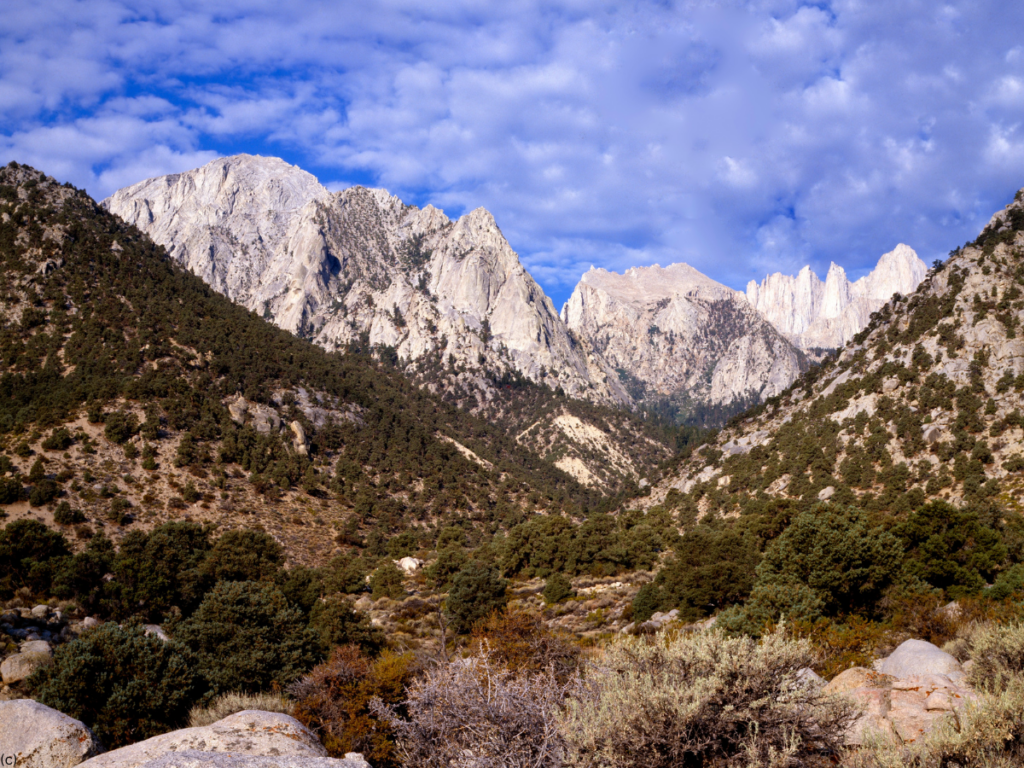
<point>734,136</point>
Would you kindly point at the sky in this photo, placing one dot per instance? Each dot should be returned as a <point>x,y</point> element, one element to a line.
<point>740,137</point>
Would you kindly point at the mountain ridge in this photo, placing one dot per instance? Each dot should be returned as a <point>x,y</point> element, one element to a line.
<point>825,315</point>
<point>361,261</point>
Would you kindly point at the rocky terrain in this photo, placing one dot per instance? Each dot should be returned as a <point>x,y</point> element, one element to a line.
<point>674,333</point>
<point>818,315</point>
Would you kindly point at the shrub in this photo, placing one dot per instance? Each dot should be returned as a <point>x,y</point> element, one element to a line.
<point>645,602</point>
<point>1007,583</point>
<point>10,490</point>
<point>59,439</point>
<point>476,712</point>
<point>189,493</point>
<point>998,654</point>
<point>697,698</point>
<point>123,684</point>
<point>522,642</point>
<point>336,623</point>
<point>43,492</point>
<point>949,548</point>
<point>161,570</point>
<point>402,545</point>
<point>120,427</point>
<point>450,561</point>
<point>828,561</point>
<point>244,555</point>
<point>28,552</point>
<point>346,574</point>
<point>333,700</point>
<point>118,511</point>
<point>387,581</point>
<point>247,638</point>
<point>987,733</point>
<point>477,590</point>
<point>711,569</point>
<point>228,704</point>
<point>65,515</point>
<point>557,588</point>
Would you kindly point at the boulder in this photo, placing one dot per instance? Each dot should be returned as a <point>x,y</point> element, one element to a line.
<point>40,737</point>
<point>857,677</point>
<point>249,733</point>
<point>40,612</point>
<point>909,715</point>
<point>37,646</point>
<point>19,666</point>
<point>809,678</point>
<point>409,564</point>
<point>299,440</point>
<point>157,631</point>
<point>826,493</point>
<point>193,759</point>
<point>919,657</point>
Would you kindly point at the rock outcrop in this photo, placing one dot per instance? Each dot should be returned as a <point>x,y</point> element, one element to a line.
<point>675,331</point>
<point>39,737</point>
<point>908,694</point>
<point>361,264</point>
<point>825,315</point>
<point>235,740</point>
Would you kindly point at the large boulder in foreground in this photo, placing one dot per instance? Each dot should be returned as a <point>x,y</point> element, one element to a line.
<point>245,735</point>
<point>40,737</point>
<point>915,658</point>
<point>191,759</point>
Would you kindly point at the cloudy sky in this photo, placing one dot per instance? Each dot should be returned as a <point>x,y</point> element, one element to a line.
<point>742,138</point>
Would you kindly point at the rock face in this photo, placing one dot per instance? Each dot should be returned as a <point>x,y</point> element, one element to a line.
<point>825,315</point>
<point>675,331</point>
<point>40,737</point>
<point>335,267</point>
<point>248,733</point>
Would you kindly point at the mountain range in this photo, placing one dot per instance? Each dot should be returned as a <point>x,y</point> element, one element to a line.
<point>453,301</point>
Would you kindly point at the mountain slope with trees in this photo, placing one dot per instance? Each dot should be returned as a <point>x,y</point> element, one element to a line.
<point>896,467</point>
<point>131,391</point>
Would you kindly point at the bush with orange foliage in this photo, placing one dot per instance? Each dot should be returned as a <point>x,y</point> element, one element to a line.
<point>333,701</point>
<point>521,642</point>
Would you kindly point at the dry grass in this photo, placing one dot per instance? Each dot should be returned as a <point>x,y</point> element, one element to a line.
<point>230,703</point>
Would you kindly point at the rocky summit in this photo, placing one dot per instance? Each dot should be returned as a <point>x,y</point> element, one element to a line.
<point>360,263</point>
<point>818,315</point>
<point>674,332</point>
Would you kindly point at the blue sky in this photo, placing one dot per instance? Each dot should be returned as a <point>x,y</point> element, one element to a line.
<point>742,138</point>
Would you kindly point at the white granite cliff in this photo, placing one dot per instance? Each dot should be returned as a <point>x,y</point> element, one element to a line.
<point>676,330</point>
<point>334,266</point>
<point>825,315</point>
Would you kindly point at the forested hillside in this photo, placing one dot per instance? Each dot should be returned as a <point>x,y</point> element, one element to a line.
<point>131,393</point>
